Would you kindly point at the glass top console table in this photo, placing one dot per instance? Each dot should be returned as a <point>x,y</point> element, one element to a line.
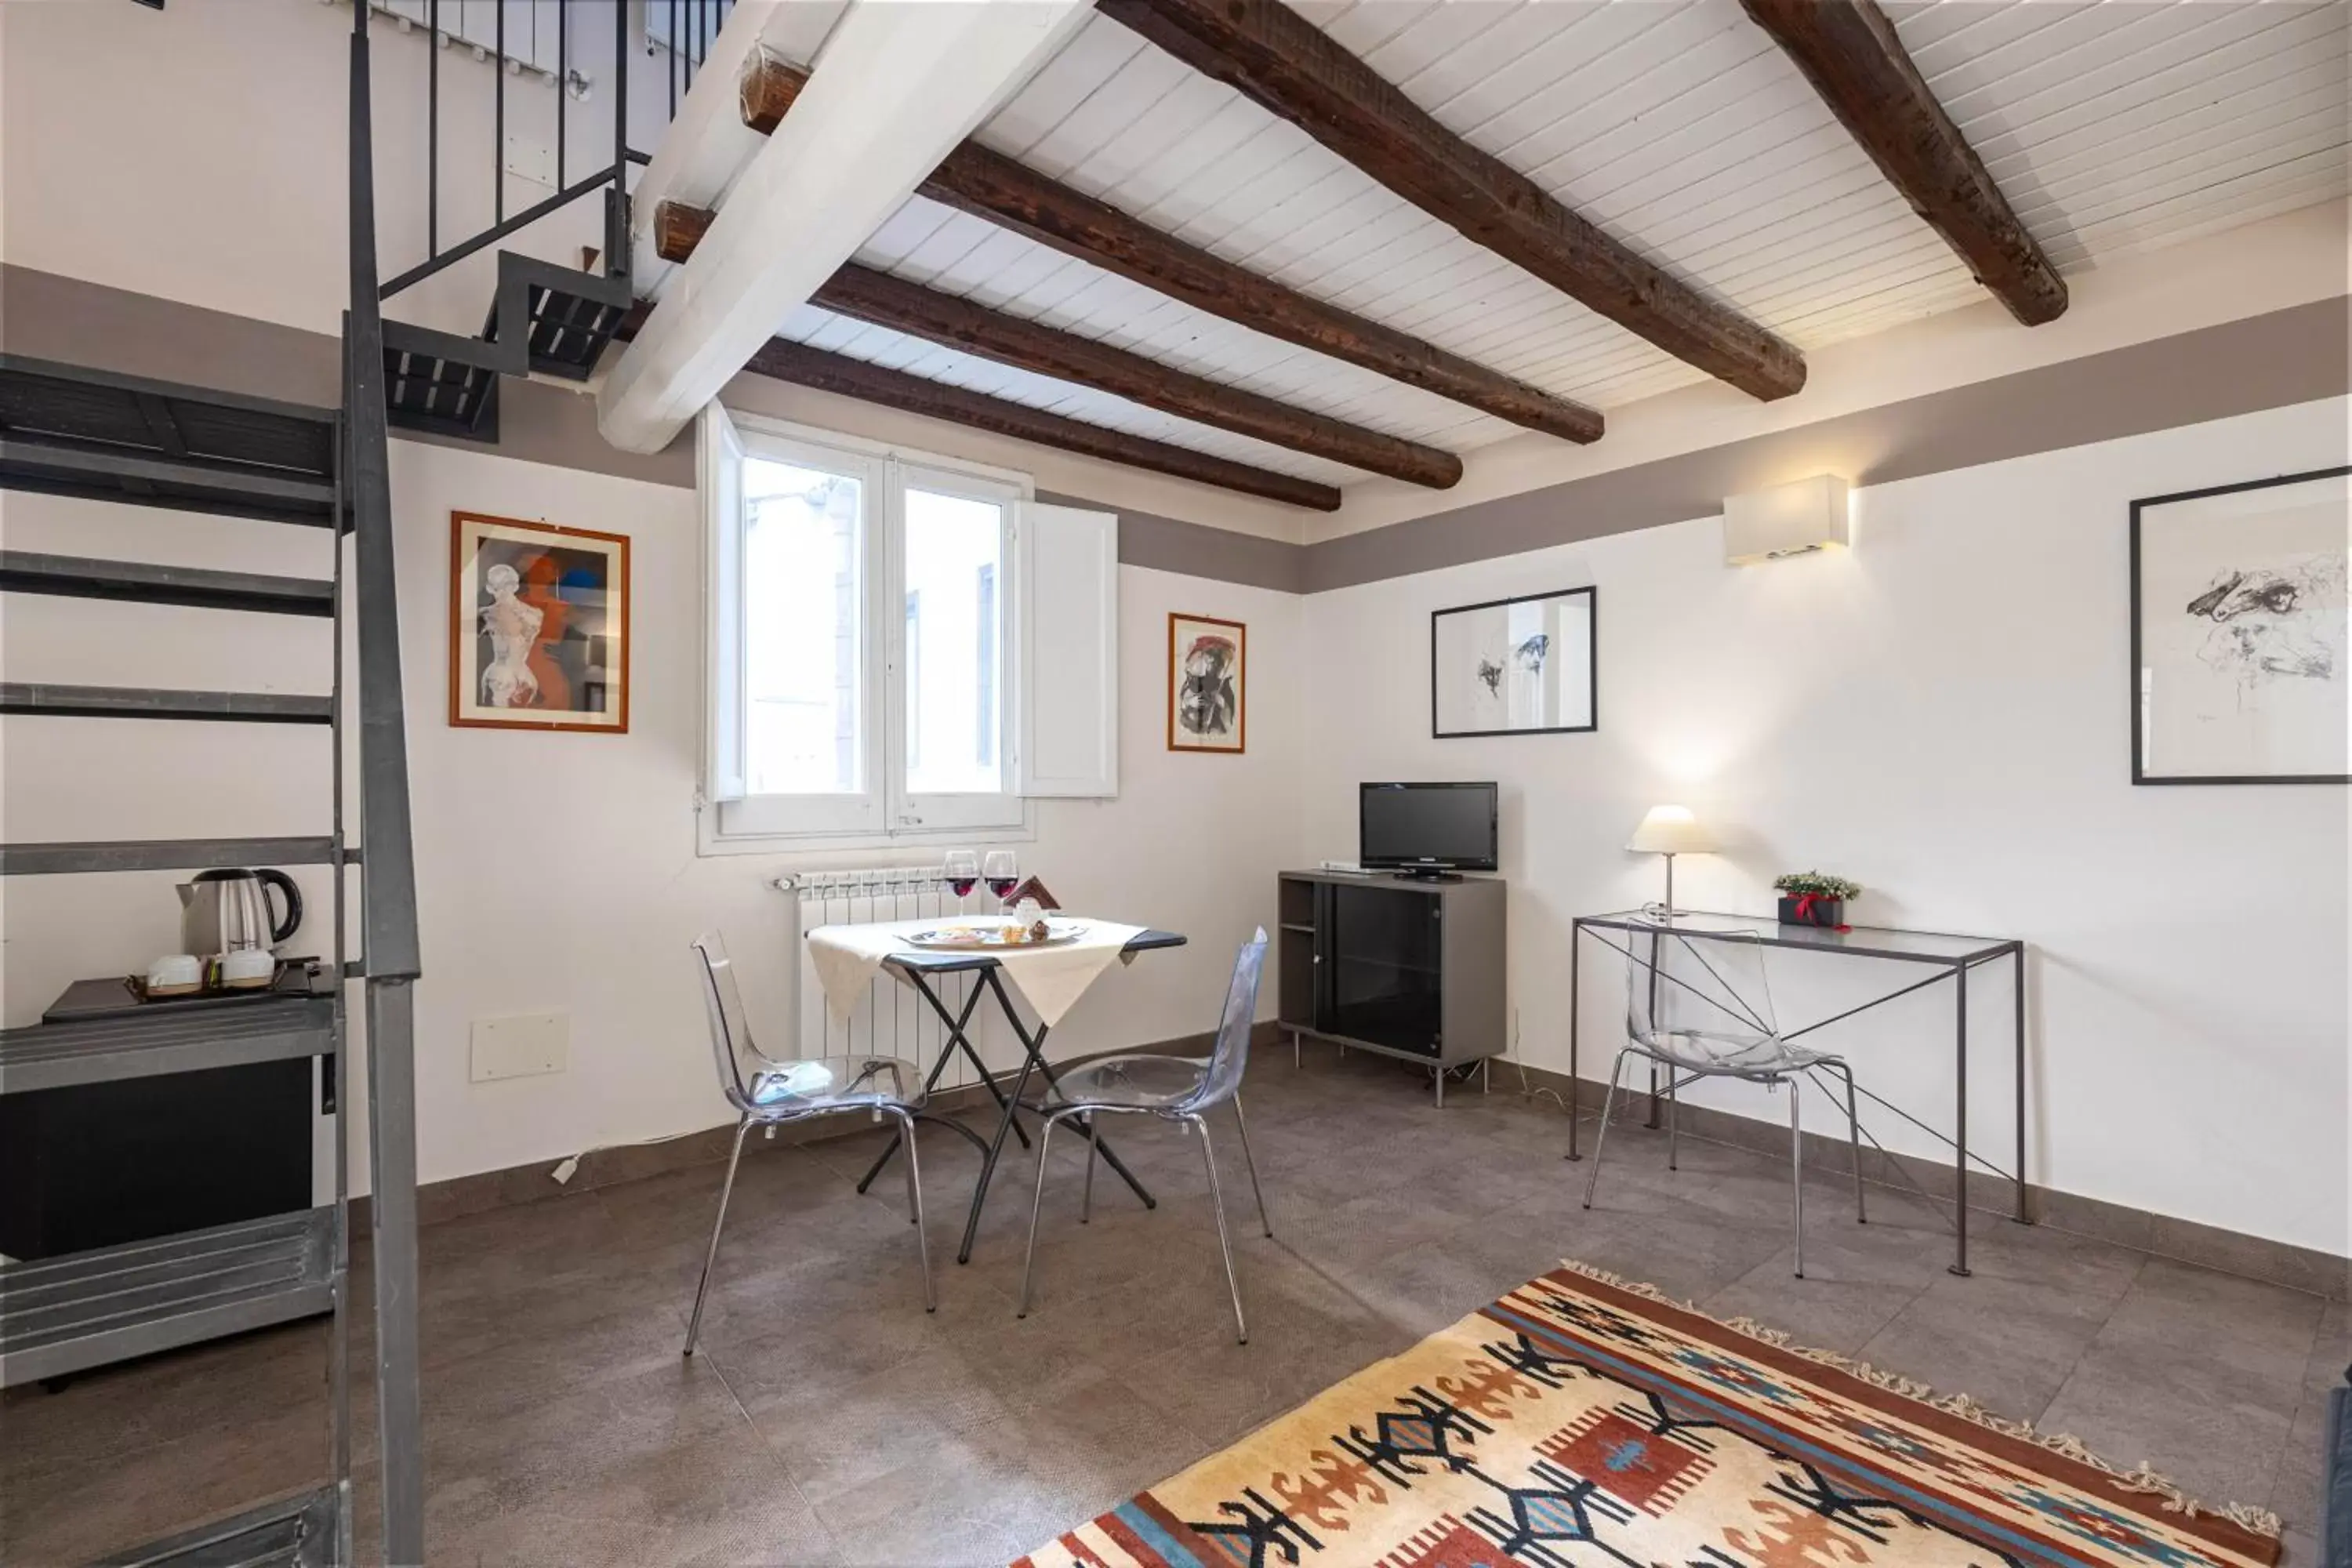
<point>1948,956</point>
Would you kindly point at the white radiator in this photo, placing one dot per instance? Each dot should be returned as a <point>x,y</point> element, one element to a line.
<point>891,1020</point>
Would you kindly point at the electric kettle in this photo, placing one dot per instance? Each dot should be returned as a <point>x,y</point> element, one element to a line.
<point>229,912</point>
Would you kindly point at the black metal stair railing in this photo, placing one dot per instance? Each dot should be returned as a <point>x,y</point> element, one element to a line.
<point>611,178</point>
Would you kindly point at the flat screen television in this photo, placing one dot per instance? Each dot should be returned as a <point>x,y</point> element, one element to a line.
<point>1426,830</point>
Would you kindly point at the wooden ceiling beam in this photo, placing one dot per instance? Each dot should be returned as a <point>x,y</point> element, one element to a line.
<point>782,360</point>
<point>883,300</point>
<point>1291,67</point>
<point>805,366</point>
<point>1851,55</point>
<point>989,184</point>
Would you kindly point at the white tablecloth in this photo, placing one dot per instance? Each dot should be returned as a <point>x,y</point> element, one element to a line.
<point>1050,979</point>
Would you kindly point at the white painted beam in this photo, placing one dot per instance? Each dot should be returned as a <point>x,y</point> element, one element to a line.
<point>895,87</point>
<point>706,146</point>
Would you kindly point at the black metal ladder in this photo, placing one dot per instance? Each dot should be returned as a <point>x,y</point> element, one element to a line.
<point>91,434</point>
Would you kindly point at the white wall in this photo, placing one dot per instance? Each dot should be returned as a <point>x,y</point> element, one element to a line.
<point>558,871</point>
<point>1939,714</point>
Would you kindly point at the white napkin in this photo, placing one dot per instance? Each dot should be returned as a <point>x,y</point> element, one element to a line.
<point>1050,979</point>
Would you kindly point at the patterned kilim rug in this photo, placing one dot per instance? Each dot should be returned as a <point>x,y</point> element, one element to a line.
<point>1581,1422</point>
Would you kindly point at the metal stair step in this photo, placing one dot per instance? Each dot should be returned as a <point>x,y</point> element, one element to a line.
<point>164,1040</point>
<point>163,855</point>
<point>441,383</point>
<point>125,474</point>
<point>565,316</point>
<point>71,430</point>
<point>24,572</point>
<point>143,702</point>
<point>299,1532</point>
<point>92,1309</point>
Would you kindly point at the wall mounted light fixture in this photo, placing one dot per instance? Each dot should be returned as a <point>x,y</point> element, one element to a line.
<point>1786,520</point>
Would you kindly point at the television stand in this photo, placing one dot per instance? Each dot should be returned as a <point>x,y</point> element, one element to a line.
<point>1416,874</point>
<point>1408,966</point>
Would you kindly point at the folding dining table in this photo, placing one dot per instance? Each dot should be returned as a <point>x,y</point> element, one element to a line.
<point>921,968</point>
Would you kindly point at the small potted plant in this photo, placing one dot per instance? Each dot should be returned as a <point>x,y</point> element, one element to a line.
<point>1813,899</point>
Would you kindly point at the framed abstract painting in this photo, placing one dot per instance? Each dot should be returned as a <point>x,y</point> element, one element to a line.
<point>2238,633</point>
<point>1208,685</point>
<point>1514,667</point>
<point>538,625</point>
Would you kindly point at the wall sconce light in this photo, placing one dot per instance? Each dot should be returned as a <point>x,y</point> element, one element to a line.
<point>1786,520</point>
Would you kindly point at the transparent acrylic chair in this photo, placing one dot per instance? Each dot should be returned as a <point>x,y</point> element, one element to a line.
<point>768,1092</point>
<point>1701,1006</point>
<point>1174,1088</point>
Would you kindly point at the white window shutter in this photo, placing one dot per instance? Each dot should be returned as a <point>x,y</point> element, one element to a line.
<point>1068,682</point>
<point>719,483</point>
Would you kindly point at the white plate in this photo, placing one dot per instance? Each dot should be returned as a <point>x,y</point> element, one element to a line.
<point>989,937</point>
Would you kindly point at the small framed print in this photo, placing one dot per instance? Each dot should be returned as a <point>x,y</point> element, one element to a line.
<point>1513,667</point>
<point>1208,684</point>
<point>538,625</point>
<point>2238,633</point>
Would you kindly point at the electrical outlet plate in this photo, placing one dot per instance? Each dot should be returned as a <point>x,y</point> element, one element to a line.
<point>524,1045</point>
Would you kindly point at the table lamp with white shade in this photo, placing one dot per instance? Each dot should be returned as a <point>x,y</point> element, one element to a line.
<point>1671,830</point>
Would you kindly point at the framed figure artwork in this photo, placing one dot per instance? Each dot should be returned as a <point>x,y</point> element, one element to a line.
<point>1514,667</point>
<point>538,625</point>
<point>1208,684</point>
<point>2238,633</point>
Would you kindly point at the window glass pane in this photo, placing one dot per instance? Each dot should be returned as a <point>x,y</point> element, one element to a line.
<point>804,582</point>
<point>953,638</point>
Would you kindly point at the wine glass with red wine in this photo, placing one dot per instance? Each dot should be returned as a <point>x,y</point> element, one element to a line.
<point>961,874</point>
<point>1002,872</point>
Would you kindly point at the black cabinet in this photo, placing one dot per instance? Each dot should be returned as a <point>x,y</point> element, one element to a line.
<point>1409,969</point>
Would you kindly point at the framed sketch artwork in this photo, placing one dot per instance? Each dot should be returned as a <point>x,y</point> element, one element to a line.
<point>538,625</point>
<point>1513,667</point>
<point>2238,644</point>
<point>1208,684</point>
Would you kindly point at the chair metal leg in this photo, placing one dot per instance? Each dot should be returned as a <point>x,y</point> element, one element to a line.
<point>1036,1205</point>
<point>1797,1171</point>
<point>1853,1132</point>
<point>694,1329</point>
<point>1224,1244</point>
<point>1608,1102</point>
<point>1087,1205</point>
<point>1674,1120</point>
<point>1250,1161</point>
<point>915,1200</point>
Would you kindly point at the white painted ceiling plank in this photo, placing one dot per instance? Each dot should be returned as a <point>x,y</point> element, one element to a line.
<point>2226,34</point>
<point>1147,77</point>
<point>1558,69</point>
<point>1934,35</point>
<point>2026,39</point>
<point>1361,30</point>
<point>1720,69</point>
<point>2243,68</point>
<point>2187,114</point>
<point>1154,136</point>
<point>1773,109</point>
<point>2234,182</point>
<point>1060,86</point>
<point>1438,32</point>
<point>2163,169</point>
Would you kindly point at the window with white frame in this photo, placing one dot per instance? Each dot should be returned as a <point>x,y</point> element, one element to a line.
<point>862,646</point>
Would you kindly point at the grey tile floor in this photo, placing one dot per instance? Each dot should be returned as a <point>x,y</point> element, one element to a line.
<point>829,1420</point>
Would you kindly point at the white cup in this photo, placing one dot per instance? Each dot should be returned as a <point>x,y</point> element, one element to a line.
<point>175,974</point>
<point>248,967</point>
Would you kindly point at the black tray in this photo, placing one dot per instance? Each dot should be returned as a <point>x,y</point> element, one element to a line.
<point>118,995</point>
